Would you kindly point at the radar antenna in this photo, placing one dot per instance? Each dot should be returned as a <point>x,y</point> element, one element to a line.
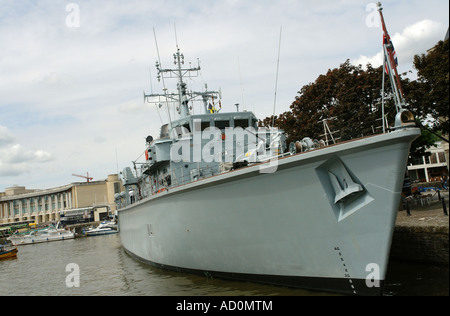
<point>183,96</point>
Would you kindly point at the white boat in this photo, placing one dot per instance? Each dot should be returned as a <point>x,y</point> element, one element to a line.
<point>48,234</point>
<point>105,228</point>
<point>315,217</point>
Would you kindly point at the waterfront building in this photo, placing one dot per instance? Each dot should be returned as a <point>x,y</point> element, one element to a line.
<point>430,168</point>
<point>18,204</point>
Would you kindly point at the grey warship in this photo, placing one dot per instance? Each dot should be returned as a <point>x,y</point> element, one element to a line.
<point>219,196</point>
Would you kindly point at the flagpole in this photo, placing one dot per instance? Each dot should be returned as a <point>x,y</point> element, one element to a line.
<point>382,93</point>
<point>395,78</point>
<point>397,94</point>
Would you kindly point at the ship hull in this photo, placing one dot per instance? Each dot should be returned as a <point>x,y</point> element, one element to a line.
<point>292,227</point>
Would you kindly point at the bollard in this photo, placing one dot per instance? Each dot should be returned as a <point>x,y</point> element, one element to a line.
<point>444,206</point>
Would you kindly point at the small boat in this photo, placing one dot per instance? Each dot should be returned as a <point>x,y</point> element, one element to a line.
<point>105,228</point>
<point>48,234</point>
<point>8,251</point>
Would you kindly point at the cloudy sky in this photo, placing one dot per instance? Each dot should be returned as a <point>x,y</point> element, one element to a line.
<point>72,73</point>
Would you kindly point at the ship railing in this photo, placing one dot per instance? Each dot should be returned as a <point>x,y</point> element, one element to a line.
<point>184,177</point>
<point>193,174</point>
<point>374,127</point>
<point>200,173</point>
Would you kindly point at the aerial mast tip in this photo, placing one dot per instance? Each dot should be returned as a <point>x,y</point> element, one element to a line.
<point>380,8</point>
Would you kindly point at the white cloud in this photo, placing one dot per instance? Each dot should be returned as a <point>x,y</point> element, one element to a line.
<point>6,136</point>
<point>414,39</point>
<point>15,159</point>
<point>17,154</point>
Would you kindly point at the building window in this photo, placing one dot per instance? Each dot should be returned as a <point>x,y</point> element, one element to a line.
<point>442,157</point>
<point>417,161</point>
<point>53,202</point>
<point>433,158</point>
<point>116,188</point>
<point>16,207</point>
<point>24,206</point>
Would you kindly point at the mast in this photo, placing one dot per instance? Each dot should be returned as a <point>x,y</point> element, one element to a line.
<point>391,64</point>
<point>183,96</point>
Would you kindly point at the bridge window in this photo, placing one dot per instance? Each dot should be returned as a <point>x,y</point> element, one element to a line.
<point>222,124</point>
<point>241,123</point>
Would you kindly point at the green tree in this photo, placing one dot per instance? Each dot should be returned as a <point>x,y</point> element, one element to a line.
<point>348,98</point>
<point>430,92</point>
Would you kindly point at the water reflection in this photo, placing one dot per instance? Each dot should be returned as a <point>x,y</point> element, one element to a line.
<point>106,269</point>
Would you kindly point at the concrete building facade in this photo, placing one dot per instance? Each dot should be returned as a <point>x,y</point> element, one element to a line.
<point>19,204</point>
<point>430,168</point>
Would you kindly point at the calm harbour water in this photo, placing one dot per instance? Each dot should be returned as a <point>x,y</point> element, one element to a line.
<point>106,270</point>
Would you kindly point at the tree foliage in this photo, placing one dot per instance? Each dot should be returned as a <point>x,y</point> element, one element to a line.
<point>431,90</point>
<point>349,100</point>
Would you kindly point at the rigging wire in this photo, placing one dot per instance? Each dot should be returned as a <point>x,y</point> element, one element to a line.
<point>276,81</point>
<point>151,89</point>
<point>242,88</point>
<point>162,77</point>
<point>176,37</point>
